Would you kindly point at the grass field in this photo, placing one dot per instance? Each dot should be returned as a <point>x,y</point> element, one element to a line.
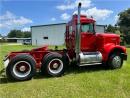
<point>84,82</point>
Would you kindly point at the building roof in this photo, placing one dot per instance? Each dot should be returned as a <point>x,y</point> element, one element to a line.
<point>101,25</point>
<point>18,38</point>
<point>58,24</point>
<point>49,25</point>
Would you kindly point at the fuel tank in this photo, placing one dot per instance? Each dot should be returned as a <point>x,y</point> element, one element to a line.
<point>90,57</point>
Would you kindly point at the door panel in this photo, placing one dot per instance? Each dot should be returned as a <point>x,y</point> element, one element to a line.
<point>88,42</point>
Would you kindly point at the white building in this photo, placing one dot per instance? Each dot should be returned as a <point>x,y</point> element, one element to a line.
<point>52,34</point>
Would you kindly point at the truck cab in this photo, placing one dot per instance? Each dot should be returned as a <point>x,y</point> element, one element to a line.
<point>87,33</point>
<point>93,47</point>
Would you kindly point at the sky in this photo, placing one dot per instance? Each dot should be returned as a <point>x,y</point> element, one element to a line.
<point>21,14</point>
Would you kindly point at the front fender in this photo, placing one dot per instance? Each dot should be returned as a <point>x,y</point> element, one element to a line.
<point>109,48</point>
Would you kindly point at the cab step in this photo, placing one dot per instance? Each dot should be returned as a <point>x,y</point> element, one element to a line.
<point>89,64</point>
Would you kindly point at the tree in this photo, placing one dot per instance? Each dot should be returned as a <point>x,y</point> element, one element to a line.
<point>124,21</point>
<point>27,34</point>
<point>111,28</point>
<point>124,24</point>
<point>15,33</point>
<point>19,34</point>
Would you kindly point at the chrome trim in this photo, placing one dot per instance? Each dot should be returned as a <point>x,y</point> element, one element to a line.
<point>116,61</point>
<point>55,65</point>
<point>21,74</point>
<point>90,64</point>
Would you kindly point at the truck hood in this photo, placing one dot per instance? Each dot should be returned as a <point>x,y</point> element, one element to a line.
<point>108,38</point>
<point>108,35</point>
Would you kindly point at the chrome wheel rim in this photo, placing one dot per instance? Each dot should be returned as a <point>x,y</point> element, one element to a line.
<point>116,61</point>
<point>55,66</point>
<point>22,69</point>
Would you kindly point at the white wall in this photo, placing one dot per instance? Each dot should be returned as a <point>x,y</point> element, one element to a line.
<point>100,29</point>
<point>55,34</point>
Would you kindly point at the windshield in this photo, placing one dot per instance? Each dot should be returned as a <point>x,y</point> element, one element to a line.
<point>87,27</point>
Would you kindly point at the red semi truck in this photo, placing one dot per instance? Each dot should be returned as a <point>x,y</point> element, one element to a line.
<point>83,46</point>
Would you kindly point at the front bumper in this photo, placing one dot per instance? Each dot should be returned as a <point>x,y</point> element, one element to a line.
<point>124,56</point>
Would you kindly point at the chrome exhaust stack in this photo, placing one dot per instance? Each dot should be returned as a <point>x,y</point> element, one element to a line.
<point>78,37</point>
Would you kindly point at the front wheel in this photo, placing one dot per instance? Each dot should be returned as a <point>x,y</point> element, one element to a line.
<point>115,61</point>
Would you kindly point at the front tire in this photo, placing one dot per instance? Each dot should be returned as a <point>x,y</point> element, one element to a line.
<point>115,61</point>
<point>21,68</point>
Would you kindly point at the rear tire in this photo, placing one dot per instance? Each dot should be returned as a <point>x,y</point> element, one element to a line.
<point>21,68</point>
<point>53,65</point>
<point>115,61</point>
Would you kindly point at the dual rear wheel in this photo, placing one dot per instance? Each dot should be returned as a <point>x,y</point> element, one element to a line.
<point>22,67</point>
<point>53,64</point>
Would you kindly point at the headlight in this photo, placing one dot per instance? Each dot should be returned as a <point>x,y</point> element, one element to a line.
<point>6,62</point>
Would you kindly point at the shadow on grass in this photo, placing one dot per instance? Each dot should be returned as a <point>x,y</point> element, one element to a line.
<point>76,70</point>
<point>69,70</point>
<point>91,68</point>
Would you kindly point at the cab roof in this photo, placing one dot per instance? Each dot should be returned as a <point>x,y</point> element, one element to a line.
<point>83,19</point>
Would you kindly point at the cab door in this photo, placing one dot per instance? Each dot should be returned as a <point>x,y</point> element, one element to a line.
<point>88,38</point>
<point>88,42</point>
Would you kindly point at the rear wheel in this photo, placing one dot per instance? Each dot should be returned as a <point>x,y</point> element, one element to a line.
<point>53,65</point>
<point>115,61</point>
<point>21,67</point>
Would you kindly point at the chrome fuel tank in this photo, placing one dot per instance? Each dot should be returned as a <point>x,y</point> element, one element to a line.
<point>90,57</point>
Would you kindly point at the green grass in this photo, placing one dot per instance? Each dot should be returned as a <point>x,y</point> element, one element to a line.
<point>84,82</point>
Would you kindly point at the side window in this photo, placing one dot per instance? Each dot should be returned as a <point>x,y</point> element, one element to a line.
<point>87,28</point>
<point>91,27</point>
